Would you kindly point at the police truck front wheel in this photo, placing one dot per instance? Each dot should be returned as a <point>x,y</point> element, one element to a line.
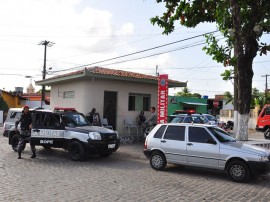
<point>76,151</point>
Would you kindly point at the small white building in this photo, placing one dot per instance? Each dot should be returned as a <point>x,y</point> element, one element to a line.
<point>116,94</point>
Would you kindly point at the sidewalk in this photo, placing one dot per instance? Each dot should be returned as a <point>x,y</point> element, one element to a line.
<point>132,151</point>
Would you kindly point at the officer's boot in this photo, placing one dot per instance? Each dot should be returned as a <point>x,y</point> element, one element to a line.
<point>19,155</point>
<point>33,155</point>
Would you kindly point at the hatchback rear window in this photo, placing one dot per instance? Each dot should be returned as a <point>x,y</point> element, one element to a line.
<point>160,132</point>
<point>175,133</point>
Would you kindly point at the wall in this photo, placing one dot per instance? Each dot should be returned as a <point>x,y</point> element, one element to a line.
<point>228,115</point>
<point>180,106</point>
<point>12,101</point>
<point>90,93</point>
<point>228,106</point>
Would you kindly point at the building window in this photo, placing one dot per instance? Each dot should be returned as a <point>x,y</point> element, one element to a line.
<point>68,94</point>
<point>139,102</point>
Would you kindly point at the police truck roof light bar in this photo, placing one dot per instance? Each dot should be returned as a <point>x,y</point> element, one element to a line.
<point>65,109</point>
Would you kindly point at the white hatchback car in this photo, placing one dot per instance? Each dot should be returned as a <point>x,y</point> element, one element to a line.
<point>206,146</point>
<point>12,116</point>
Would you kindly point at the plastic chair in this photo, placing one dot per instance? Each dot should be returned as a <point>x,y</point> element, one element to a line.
<point>128,123</point>
<point>104,123</point>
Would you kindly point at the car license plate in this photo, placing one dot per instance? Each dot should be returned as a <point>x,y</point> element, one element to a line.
<point>111,146</point>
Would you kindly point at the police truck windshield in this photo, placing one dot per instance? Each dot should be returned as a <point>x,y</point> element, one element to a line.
<point>74,120</point>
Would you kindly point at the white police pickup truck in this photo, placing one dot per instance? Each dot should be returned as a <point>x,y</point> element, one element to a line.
<point>71,131</point>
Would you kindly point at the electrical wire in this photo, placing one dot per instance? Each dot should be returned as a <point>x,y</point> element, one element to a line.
<point>145,50</point>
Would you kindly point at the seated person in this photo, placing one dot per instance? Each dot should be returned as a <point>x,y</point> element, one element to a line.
<point>141,118</point>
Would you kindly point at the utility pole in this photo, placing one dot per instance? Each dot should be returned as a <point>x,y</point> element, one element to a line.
<point>266,87</point>
<point>157,74</point>
<point>45,44</point>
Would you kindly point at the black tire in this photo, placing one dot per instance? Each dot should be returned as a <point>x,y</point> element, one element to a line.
<point>15,142</point>
<point>238,171</point>
<point>105,155</point>
<point>267,134</point>
<point>76,151</point>
<point>158,160</point>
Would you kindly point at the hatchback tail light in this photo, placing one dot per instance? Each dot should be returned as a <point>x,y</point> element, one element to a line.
<point>145,144</point>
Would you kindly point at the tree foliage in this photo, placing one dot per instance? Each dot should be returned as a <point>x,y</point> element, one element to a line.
<point>3,105</point>
<point>254,15</point>
<point>258,98</point>
<point>242,23</point>
<point>187,93</point>
<point>228,97</point>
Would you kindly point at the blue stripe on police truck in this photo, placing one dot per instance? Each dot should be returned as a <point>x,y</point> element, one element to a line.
<point>48,133</point>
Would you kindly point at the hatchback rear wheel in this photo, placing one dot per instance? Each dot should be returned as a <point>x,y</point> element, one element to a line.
<point>158,160</point>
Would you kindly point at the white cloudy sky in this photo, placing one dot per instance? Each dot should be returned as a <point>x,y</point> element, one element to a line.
<point>89,31</point>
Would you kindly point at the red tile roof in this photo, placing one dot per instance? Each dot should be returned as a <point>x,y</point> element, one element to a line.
<point>120,73</point>
<point>113,72</point>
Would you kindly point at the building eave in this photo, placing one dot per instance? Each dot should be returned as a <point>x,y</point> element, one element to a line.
<point>85,74</point>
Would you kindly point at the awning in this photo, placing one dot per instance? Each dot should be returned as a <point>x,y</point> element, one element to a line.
<point>194,103</point>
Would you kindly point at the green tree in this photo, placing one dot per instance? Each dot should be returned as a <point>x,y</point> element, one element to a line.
<point>187,93</point>
<point>242,23</point>
<point>3,105</point>
<point>228,97</point>
<point>258,98</point>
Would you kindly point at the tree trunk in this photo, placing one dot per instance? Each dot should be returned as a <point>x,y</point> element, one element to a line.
<point>245,75</point>
<point>246,47</point>
<point>235,99</point>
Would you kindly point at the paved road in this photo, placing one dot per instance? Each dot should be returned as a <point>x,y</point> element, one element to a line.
<point>53,177</point>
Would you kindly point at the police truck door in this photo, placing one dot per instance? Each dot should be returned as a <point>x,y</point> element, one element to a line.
<point>47,130</point>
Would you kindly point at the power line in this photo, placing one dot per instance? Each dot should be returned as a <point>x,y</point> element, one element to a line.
<point>93,36</point>
<point>145,50</point>
<point>156,54</point>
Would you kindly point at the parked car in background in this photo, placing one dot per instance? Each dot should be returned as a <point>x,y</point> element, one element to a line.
<point>188,118</point>
<point>208,118</point>
<point>263,120</point>
<point>12,116</point>
<point>207,146</point>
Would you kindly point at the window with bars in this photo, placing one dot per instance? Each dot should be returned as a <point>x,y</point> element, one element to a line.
<point>139,102</point>
<point>69,94</point>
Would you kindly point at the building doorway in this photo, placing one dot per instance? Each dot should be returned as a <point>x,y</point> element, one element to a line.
<point>109,110</point>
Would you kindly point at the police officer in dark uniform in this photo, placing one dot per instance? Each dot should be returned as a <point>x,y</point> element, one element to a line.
<point>25,134</point>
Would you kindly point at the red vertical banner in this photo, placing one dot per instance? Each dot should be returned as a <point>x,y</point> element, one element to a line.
<point>162,98</point>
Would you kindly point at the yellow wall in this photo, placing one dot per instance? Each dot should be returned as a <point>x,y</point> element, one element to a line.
<point>11,100</point>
